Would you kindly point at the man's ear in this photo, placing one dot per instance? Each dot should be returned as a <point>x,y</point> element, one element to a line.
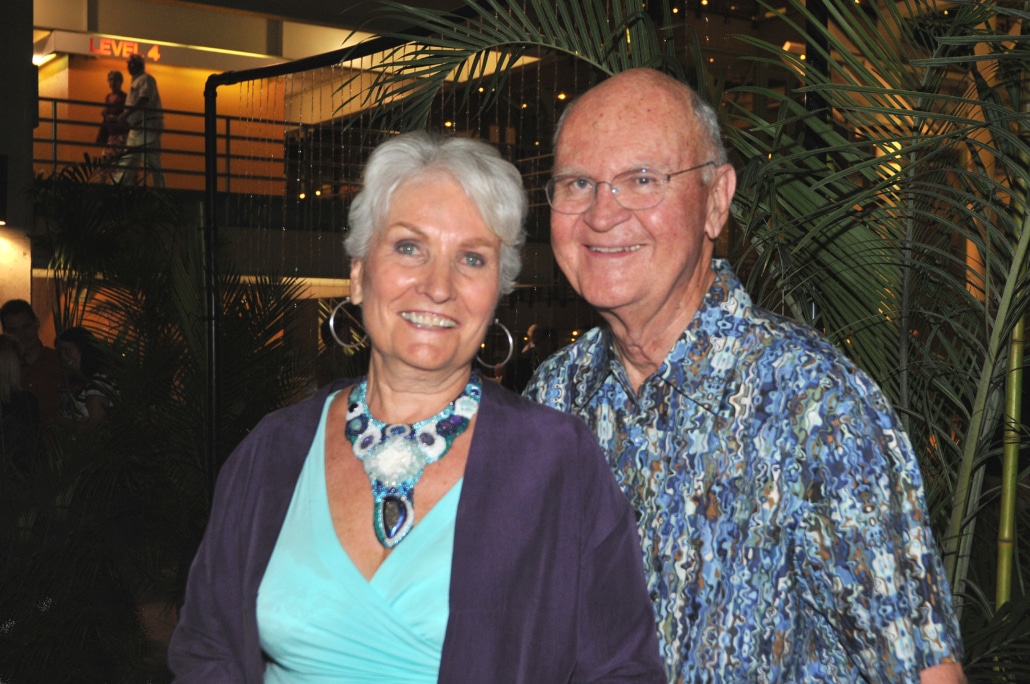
<point>720,194</point>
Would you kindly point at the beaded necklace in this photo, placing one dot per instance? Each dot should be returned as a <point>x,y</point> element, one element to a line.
<point>394,456</point>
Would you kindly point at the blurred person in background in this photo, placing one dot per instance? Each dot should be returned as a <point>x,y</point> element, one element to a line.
<point>21,433</point>
<point>113,130</point>
<point>41,369</point>
<point>145,118</point>
<point>88,392</point>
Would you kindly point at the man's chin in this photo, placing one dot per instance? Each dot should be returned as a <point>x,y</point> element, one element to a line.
<point>608,293</point>
<point>605,304</point>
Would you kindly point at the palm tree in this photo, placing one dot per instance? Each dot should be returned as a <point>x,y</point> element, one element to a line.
<point>883,199</point>
<point>112,517</point>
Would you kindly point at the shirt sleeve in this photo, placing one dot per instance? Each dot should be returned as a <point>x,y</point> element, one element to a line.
<point>870,565</point>
<point>617,634</point>
<point>549,385</point>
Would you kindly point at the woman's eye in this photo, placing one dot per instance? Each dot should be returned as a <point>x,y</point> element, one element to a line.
<point>474,260</point>
<point>406,248</point>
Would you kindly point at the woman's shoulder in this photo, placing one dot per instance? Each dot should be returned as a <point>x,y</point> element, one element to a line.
<point>276,447</point>
<point>301,415</point>
<point>527,420</point>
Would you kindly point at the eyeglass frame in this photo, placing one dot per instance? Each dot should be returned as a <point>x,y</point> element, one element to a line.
<point>549,188</point>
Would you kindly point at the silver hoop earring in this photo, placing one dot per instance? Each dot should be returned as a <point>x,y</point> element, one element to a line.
<point>511,347</point>
<point>332,327</point>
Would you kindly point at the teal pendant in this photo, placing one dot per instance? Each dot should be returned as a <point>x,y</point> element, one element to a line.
<point>394,517</point>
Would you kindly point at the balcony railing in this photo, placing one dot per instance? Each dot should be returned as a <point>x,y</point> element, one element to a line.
<point>251,152</point>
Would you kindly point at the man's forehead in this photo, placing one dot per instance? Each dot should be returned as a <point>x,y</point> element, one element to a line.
<point>617,153</point>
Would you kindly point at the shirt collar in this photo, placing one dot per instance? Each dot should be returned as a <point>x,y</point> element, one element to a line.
<point>687,367</point>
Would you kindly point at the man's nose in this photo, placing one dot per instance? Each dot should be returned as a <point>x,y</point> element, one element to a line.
<point>605,212</point>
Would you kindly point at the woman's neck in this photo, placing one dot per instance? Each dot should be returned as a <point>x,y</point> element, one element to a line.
<point>412,396</point>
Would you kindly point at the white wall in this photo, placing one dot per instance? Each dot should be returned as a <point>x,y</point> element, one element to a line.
<point>68,15</point>
<point>189,25</point>
<point>184,24</point>
<point>304,40</point>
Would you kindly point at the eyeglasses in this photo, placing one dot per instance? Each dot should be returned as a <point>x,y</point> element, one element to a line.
<point>633,190</point>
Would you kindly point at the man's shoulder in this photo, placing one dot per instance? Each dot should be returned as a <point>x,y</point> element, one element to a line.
<point>729,314</point>
<point>770,338</point>
<point>47,361</point>
<point>521,410</point>
<point>573,363</point>
<point>50,354</point>
<point>587,349</point>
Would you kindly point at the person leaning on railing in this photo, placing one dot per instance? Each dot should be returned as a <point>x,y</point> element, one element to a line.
<point>113,130</point>
<point>144,116</point>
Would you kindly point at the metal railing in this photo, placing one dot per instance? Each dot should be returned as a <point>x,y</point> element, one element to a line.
<point>250,153</point>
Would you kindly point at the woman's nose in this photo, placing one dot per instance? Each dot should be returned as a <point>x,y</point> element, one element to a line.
<point>437,280</point>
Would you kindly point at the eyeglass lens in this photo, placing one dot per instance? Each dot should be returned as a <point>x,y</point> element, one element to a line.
<point>633,190</point>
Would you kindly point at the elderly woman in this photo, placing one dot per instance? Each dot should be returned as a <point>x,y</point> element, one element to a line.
<point>420,524</point>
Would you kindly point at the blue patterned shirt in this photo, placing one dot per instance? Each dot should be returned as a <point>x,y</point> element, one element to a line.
<point>780,504</point>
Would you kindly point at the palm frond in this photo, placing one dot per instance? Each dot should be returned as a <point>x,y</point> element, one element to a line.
<point>908,238</point>
<point>482,44</point>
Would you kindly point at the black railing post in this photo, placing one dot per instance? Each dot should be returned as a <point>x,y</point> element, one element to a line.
<point>53,138</point>
<point>212,308</point>
<point>228,156</point>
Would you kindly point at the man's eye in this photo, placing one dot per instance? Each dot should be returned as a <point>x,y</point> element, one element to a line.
<point>573,185</point>
<point>642,180</point>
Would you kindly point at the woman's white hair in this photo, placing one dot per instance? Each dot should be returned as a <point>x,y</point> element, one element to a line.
<point>493,184</point>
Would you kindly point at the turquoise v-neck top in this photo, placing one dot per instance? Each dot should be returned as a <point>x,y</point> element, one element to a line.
<point>321,621</point>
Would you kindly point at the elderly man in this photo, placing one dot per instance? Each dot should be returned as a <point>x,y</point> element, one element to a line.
<point>779,502</point>
<point>144,116</point>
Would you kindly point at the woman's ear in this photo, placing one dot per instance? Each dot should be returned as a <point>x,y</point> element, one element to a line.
<point>356,267</point>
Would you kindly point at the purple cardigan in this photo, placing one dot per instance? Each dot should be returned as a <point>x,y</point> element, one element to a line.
<point>546,582</point>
